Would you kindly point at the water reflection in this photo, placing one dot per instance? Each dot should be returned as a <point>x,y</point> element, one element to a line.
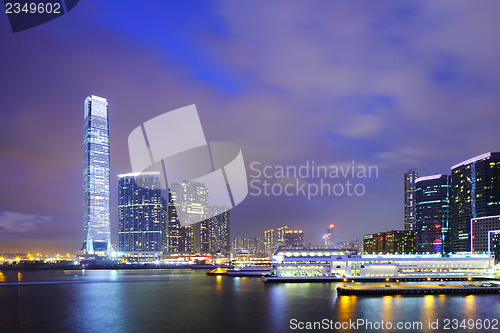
<point>470,306</point>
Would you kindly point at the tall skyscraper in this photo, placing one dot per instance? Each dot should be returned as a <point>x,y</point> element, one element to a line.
<point>409,197</point>
<point>96,223</point>
<point>218,240</point>
<point>140,215</point>
<point>328,237</point>
<point>475,192</point>
<point>432,195</point>
<point>211,235</point>
<point>171,226</point>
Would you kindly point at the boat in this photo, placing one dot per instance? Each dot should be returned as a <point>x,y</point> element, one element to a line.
<point>250,271</point>
<point>217,271</point>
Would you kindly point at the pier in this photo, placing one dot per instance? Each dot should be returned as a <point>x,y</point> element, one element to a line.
<point>420,290</point>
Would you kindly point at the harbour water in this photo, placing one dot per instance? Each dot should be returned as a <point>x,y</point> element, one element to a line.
<point>190,301</point>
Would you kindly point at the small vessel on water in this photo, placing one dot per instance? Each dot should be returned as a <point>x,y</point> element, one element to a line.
<point>217,271</point>
<point>250,271</point>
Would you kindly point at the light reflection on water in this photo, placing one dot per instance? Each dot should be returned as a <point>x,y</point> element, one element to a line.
<point>184,300</point>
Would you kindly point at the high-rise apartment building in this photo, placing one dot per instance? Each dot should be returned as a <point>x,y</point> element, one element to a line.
<point>218,239</point>
<point>96,221</point>
<point>269,241</point>
<point>140,215</point>
<point>280,236</point>
<point>475,192</point>
<point>432,196</point>
<point>409,198</point>
<point>191,202</point>
<point>210,236</point>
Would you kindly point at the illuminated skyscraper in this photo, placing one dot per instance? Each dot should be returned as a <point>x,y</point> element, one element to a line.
<point>281,236</point>
<point>171,226</point>
<point>140,215</point>
<point>475,192</point>
<point>432,197</point>
<point>394,241</point>
<point>294,238</point>
<point>269,241</point>
<point>218,228</point>
<point>328,237</point>
<point>96,227</point>
<point>192,206</point>
<point>409,195</point>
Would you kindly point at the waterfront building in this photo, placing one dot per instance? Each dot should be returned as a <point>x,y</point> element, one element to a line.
<point>303,263</point>
<point>96,221</point>
<point>294,238</point>
<point>394,241</point>
<point>140,215</point>
<point>409,198</point>
<point>484,234</point>
<point>432,197</point>
<point>269,241</point>
<point>475,192</point>
<point>328,237</point>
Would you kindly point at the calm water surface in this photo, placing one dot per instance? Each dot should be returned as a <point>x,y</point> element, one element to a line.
<point>190,301</point>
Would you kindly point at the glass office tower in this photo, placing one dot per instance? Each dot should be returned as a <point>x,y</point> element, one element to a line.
<point>432,195</point>
<point>475,192</point>
<point>140,215</point>
<point>96,227</point>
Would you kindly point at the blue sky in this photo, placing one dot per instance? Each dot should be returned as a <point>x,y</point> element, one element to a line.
<point>398,85</point>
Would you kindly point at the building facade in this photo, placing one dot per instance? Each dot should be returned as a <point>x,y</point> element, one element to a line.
<point>219,232</point>
<point>96,192</point>
<point>484,234</point>
<point>171,235</point>
<point>328,237</point>
<point>269,241</point>
<point>140,215</point>
<point>294,239</point>
<point>191,202</point>
<point>390,242</point>
<point>432,197</point>
<point>409,198</point>
<point>317,263</point>
<point>280,236</point>
<point>475,192</point>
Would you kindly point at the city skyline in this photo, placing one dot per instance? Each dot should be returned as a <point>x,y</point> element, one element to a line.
<point>398,86</point>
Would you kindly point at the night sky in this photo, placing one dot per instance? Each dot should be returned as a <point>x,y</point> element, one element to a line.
<point>396,85</point>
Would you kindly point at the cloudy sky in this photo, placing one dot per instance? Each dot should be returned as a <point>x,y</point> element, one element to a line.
<point>396,85</point>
